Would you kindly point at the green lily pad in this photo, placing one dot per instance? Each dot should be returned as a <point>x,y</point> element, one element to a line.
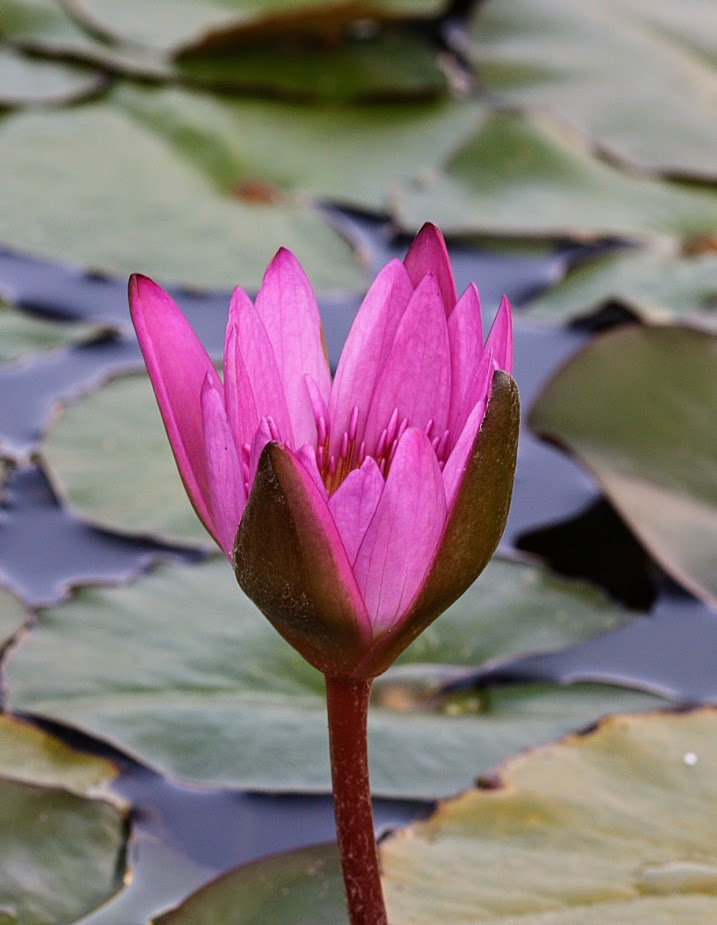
<point>22,333</point>
<point>193,189</point>
<point>656,285</point>
<point>27,81</point>
<point>389,65</point>
<point>181,670</point>
<point>288,889</point>
<point>109,457</point>
<point>13,615</point>
<point>587,63</point>
<point>93,186</point>
<point>282,146</point>
<point>606,828</point>
<point>63,853</point>
<point>42,27</point>
<point>637,408</point>
<point>171,26</point>
<point>528,176</point>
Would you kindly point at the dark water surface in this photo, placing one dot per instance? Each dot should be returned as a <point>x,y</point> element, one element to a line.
<point>183,835</point>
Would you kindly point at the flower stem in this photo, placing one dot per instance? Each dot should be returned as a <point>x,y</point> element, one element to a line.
<point>347,704</point>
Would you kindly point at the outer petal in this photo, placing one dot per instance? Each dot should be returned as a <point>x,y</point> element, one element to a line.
<point>354,503</point>
<point>226,480</point>
<point>252,381</point>
<point>287,306</point>
<point>290,560</point>
<point>473,527</point>
<point>428,254</point>
<point>465,334</point>
<point>417,376</point>
<point>401,540</point>
<point>177,364</point>
<point>366,350</point>
<point>500,339</point>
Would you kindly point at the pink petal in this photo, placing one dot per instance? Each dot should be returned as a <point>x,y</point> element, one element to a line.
<point>366,350</point>
<point>457,462</point>
<point>416,379</point>
<point>260,439</point>
<point>226,480</point>
<point>428,254</point>
<point>401,540</point>
<point>306,455</point>
<point>252,382</point>
<point>500,339</point>
<point>465,334</point>
<point>177,364</point>
<point>353,504</point>
<point>287,306</point>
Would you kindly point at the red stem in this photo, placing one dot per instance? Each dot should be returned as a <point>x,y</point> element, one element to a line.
<point>347,704</point>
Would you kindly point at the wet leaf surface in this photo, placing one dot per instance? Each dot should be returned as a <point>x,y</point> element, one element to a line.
<point>181,669</point>
<point>636,407</point>
<point>587,63</point>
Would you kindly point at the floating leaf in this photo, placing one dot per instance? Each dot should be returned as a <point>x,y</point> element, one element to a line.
<point>27,81</point>
<point>22,333</point>
<point>181,669</point>
<point>389,65</point>
<point>610,828</point>
<point>41,27</point>
<point>527,176</point>
<point>171,26</point>
<point>62,853</point>
<point>108,454</point>
<point>12,614</point>
<point>587,63</point>
<point>93,186</point>
<point>637,407</point>
<point>657,285</point>
<point>289,889</point>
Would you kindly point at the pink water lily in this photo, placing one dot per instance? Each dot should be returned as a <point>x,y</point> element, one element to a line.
<point>354,510</point>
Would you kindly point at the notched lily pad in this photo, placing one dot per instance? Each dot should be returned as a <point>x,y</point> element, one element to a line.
<point>171,27</point>
<point>12,613</point>
<point>658,286</point>
<point>288,889</point>
<point>609,827</point>
<point>203,688</point>
<point>109,457</point>
<point>637,407</point>
<point>26,81</point>
<point>587,63</point>
<point>528,176</point>
<point>22,333</point>
<point>63,853</point>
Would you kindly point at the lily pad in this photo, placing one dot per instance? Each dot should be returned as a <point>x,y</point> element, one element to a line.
<point>27,81</point>
<point>389,65</point>
<point>656,285</point>
<point>288,889</point>
<point>12,613</point>
<point>92,186</point>
<point>42,27</point>
<point>606,828</point>
<point>171,26</point>
<point>63,853</point>
<point>587,63</point>
<point>22,333</point>
<point>283,146</point>
<point>529,176</point>
<point>109,456</point>
<point>181,670</point>
<point>200,191</point>
<point>637,407</point>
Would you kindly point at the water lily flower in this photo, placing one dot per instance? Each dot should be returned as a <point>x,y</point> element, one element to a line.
<point>353,511</point>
